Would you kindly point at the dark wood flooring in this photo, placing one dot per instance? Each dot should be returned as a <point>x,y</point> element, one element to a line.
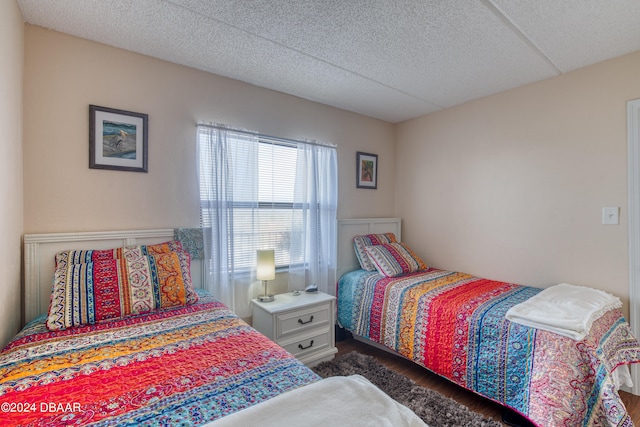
<point>461,395</point>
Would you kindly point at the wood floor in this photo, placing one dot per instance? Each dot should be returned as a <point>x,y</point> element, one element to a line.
<point>434,382</point>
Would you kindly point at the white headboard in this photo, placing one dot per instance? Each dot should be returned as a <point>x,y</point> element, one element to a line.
<point>349,228</point>
<point>39,259</point>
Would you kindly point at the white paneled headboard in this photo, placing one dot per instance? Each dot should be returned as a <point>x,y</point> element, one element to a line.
<point>40,250</point>
<point>349,228</point>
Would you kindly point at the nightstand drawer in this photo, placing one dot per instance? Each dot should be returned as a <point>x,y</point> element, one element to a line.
<point>302,320</point>
<point>308,344</point>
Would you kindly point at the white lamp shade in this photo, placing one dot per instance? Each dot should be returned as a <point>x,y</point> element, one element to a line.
<point>266,268</point>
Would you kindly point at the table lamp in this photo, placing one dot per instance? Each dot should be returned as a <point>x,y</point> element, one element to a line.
<point>266,270</point>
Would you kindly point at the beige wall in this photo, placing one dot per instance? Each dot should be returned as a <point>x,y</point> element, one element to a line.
<point>64,74</point>
<point>512,186</point>
<point>11,67</point>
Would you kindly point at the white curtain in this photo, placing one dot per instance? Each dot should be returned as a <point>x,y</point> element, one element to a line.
<point>227,168</point>
<point>313,238</point>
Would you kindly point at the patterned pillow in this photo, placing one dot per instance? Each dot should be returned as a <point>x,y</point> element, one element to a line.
<point>65,258</point>
<point>394,259</point>
<point>361,242</point>
<point>92,292</point>
<point>135,251</point>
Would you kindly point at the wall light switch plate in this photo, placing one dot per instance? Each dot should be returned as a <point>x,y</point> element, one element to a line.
<point>610,216</point>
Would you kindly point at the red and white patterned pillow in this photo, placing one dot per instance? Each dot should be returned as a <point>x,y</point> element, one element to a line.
<point>131,252</point>
<point>134,251</point>
<point>95,285</point>
<point>361,242</point>
<point>394,259</point>
<point>93,292</point>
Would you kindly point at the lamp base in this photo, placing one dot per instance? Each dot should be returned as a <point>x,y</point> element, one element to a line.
<point>266,298</point>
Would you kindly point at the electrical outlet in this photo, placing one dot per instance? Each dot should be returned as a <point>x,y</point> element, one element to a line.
<point>610,216</point>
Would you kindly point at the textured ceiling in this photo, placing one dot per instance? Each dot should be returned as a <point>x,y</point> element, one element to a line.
<point>387,59</point>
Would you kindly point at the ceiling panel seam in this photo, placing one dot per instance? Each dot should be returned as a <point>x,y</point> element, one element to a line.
<point>517,31</point>
<point>306,54</point>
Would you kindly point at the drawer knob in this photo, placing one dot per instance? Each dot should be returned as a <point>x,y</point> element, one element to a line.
<point>301,347</point>
<point>308,321</point>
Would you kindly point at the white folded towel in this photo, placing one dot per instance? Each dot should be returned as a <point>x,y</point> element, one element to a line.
<point>565,309</point>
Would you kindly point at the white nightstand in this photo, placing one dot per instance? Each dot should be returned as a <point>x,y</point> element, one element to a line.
<point>302,324</point>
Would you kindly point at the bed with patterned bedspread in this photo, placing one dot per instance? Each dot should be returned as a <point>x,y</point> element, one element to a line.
<point>129,340</point>
<point>454,324</point>
<point>183,366</point>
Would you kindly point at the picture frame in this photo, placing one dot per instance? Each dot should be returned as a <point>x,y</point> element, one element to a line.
<point>118,139</point>
<point>367,170</point>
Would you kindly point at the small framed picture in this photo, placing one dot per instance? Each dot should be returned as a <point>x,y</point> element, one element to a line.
<point>117,139</point>
<point>367,169</point>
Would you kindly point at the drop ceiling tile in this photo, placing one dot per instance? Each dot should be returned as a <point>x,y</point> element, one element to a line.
<point>576,33</point>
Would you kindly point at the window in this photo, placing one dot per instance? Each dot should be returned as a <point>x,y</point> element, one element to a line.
<point>262,219</point>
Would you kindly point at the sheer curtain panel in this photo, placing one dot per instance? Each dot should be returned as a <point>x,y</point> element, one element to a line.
<point>228,174</point>
<point>314,235</point>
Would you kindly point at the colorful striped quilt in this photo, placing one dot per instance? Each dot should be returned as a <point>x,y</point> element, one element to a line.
<point>184,366</point>
<point>454,324</point>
